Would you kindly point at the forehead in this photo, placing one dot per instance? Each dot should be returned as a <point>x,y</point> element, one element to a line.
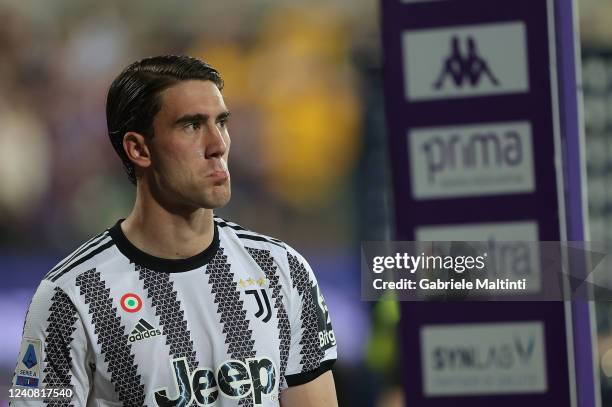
<point>191,97</point>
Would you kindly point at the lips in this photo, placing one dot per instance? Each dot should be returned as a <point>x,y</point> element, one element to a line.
<point>219,169</point>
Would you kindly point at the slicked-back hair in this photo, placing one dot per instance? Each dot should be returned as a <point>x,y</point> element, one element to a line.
<point>134,97</point>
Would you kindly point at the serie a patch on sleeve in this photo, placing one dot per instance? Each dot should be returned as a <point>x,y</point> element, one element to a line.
<point>27,373</point>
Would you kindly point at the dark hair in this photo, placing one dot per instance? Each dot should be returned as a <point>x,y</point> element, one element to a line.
<point>134,96</point>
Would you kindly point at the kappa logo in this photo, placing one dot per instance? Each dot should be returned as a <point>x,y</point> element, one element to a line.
<point>143,330</point>
<point>465,61</point>
<point>469,68</point>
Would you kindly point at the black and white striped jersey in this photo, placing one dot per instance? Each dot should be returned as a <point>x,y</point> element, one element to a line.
<point>233,325</point>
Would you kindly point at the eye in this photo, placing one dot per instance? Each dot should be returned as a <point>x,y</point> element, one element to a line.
<point>193,126</point>
<point>223,123</point>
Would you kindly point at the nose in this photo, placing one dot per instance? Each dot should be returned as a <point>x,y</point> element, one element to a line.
<point>215,143</point>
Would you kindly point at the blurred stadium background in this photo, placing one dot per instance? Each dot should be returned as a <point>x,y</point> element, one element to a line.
<point>303,83</point>
<point>303,80</point>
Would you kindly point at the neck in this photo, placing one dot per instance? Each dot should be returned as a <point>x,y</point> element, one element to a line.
<point>167,232</point>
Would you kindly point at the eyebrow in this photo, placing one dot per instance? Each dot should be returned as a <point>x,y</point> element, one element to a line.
<point>199,117</point>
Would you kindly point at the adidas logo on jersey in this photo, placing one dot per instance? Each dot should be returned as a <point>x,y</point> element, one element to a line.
<point>143,330</point>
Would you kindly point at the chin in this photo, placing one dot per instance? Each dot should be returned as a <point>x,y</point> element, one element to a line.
<point>217,201</point>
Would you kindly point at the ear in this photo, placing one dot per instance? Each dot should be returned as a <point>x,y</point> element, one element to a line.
<point>137,150</point>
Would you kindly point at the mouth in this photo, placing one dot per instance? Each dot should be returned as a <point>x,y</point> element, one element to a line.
<point>219,171</point>
<point>218,175</point>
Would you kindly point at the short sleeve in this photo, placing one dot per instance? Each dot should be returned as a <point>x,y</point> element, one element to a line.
<point>53,351</point>
<point>313,343</point>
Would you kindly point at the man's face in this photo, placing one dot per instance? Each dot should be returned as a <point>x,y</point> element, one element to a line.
<point>190,146</point>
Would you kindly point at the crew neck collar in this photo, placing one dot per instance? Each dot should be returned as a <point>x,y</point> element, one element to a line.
<point>154,263</point>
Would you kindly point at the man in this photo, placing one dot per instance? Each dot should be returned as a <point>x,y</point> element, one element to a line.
<point>173,306</point>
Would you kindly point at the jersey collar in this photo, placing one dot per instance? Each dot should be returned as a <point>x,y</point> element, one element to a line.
<point>154,263</point>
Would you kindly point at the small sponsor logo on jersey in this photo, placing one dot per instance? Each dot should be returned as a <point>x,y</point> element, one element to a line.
<point>28,369</point>
<point>255,378</point>
<point>131,302</point>
<point>143,330</point>
<point>327,339</point>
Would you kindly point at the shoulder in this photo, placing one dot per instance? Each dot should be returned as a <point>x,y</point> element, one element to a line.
<point>264,248</point>
<point>234,231</point>
<point>88,255</point>
<point>255,242</point>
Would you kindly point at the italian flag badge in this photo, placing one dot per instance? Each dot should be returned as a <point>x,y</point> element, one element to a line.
<point>131,302</point>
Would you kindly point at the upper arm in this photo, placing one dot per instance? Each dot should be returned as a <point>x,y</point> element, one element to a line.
<point>53,348</point>
<point>313,345</point>
<point>320,392</point>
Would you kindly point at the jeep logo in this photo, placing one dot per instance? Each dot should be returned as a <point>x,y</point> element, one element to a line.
<point>234,379</point>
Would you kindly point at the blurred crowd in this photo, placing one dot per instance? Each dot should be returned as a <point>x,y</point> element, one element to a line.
<point>303,82</point>
<point>291,83</point>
